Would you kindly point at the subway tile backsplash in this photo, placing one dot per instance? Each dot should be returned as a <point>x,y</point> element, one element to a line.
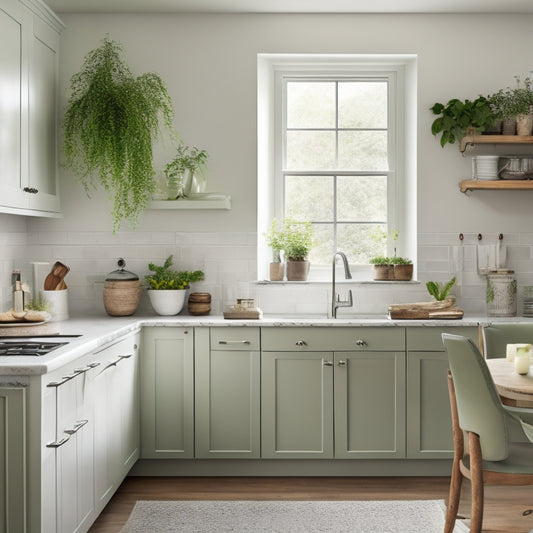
<point>229,262</point>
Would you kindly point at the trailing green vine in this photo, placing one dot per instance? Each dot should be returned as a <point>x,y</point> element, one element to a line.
<point>111,120</point>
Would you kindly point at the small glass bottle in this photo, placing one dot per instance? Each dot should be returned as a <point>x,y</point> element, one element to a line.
<point>521,360</point>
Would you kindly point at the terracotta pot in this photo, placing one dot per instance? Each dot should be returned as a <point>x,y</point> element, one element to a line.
<point>524,124</point>
<point>383,272</point>
<point>277,271</point>
<point>297,270</point>
<point>403,272</point>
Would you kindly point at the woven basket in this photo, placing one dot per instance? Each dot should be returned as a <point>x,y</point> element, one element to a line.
<point>121,298</point>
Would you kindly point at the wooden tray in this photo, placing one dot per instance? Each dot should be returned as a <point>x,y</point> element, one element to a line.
<point>426,310</point>
<point>243,314</point>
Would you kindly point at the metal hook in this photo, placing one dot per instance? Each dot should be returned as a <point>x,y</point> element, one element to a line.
<point>461,236</point>
<point>479,236</point>
<point>500,236</point>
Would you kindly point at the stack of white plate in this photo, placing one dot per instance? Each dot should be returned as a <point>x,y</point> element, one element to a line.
<point>485,167</point>
<point>528,300</point>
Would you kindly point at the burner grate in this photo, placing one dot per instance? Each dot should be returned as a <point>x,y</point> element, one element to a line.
<point>32,348</point>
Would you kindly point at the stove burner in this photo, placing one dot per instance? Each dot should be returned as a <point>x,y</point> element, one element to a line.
<point>28,347</point>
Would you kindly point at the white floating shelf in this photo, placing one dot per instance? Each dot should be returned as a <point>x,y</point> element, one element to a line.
<point>218,201</point>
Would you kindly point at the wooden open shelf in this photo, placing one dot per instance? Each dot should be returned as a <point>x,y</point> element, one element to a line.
<point>214,201</point>
<point>495,139</point>
<point>470,185</point>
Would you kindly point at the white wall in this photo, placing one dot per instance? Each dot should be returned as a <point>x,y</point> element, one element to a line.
<point>209,64</point>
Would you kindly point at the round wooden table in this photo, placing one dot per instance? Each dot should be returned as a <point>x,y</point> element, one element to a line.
<point>514,389</point>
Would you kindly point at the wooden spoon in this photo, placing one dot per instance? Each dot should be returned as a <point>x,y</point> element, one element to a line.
<point>58,272</point>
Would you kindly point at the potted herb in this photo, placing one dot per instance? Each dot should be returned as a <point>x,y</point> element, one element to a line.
<point>402,268</point>
<point>275,238</point>
<point>298,241</point>
<point>513,106</point>
<point>181,170</point>
<point>457,118</point>
<point>167,287</point>
<point>383,269</point>
<point>110,123</point>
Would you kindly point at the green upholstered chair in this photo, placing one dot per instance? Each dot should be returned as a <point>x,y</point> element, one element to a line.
<point>478,414</point>
<point>497,336</point>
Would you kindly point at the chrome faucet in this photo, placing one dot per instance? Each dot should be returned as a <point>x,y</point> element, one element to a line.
<point>336,301</point>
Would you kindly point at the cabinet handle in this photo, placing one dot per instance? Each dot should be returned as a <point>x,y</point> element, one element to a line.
<point>116,362</point>
<point>342,362</point>
<point>327,363</point>
<point>300,344</point>
<point>31,190</point>
<point>64,379</point>
<point>361,342</point>
<point>77,426</point>
<point>87,368</point>
<point>58,443</point>
<point>234,342</point>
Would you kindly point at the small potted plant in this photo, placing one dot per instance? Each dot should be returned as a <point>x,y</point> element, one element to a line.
<point>180,172</point>
<point>275,238</point>
<point>383,269</point>
<point>513,106</point>
<point>458,118</point>
<point>298,241</point>
<point>167,287</point>
<point>402,268</point>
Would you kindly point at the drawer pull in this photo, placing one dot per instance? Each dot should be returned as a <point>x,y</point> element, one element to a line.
<point>58,443</point>
<point>301,344</point>
<point>342,362</point>
<point>234,342</point>
<point>77,426</point>
<point>87,368</point>
<point>361,342</point>
<point>64,379</point>
<point>327,363</point>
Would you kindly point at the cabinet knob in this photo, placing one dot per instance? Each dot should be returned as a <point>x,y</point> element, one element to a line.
<point>301,344</point>
<point>31,190</point>
<point>342,362</point>
<point>361,342</point>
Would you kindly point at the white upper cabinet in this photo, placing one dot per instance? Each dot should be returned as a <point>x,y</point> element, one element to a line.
<point>29,57</point>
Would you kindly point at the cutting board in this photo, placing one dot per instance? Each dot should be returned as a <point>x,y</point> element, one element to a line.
<point>426,310</point>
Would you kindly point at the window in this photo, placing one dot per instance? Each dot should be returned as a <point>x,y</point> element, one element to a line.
<point>332,150</point>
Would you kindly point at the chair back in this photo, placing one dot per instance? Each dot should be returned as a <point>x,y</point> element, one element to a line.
<point>497,336</point>
<point>478,404</point>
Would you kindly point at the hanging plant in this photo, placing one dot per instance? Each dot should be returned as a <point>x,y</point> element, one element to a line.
<point>110,123</point>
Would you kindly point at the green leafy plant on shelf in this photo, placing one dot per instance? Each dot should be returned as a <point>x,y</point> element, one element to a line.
<point>110,123</point>
<point>187,162</point>
<point>439,290</point>
<point>510,102</point>
<point>164,277</point>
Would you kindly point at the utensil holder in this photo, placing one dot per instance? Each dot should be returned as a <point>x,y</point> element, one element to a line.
<point>58,302</point>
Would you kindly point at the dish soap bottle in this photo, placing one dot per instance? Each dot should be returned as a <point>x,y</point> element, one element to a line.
<point>18,298</point>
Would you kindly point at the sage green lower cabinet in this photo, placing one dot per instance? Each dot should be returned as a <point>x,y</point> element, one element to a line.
<point>297,405</point>
<point>227,393</point>
<point>369,405</point>
<point>429,425</point>
<point>12,459</point>
<point>167,393</point>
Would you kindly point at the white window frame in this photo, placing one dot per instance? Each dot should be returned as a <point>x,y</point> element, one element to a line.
<point>400,70</point>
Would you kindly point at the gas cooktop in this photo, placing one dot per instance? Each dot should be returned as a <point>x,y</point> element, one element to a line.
<point>30,346</point>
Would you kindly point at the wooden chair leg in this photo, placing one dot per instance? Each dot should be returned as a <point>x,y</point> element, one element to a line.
<point>454,496</point>
<point>476,471</point>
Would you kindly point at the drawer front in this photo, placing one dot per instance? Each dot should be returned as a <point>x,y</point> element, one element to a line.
<point>333,339</point>
<point>237,338</point>
<point>429,338</point>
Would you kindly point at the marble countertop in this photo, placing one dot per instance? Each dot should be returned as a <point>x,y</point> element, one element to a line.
<point>92,333</point>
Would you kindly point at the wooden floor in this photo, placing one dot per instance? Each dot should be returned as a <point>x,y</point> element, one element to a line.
<point>503,505</point>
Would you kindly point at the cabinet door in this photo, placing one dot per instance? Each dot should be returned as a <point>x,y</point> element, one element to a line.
<point>369,405</point>
<point>167,395</point>
<point>297,405</point>
<point>15,27</point>
<point>116,440</point>
<point>12,460</point>
<point>43,75</point>
<point>227,400</point>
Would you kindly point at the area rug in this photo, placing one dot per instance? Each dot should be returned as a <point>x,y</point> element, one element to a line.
<point>419,516</point>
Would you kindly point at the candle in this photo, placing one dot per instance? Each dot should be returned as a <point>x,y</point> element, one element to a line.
<point>521,361</point>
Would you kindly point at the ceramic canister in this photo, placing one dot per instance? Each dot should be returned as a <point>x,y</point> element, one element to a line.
<point>501,294</point>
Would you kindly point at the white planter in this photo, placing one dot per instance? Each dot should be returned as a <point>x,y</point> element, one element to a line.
<point>167,302</point>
